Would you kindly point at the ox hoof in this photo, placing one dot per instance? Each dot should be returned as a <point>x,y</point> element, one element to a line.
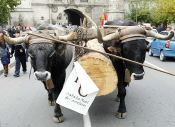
<point>121,115</point>
<point>58,119</point>
<point>51,103</point>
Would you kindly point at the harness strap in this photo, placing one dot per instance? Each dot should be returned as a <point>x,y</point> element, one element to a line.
<point>39,40</point>
<point>49,84</point>
<point>131,37</point>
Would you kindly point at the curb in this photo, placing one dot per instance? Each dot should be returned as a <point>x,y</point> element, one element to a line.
<point>10,66</point>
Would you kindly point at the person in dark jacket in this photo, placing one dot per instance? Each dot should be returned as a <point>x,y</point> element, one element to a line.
<point>4,55</point>
<point>20,56</point>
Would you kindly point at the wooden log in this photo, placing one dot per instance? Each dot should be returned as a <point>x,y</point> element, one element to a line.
<point>106,31</point>
<point>99,68</point>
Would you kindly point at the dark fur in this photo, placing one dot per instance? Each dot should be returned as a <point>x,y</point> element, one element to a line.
<point>43,60</point>
<point>121,23</point>
<point>134,50</point>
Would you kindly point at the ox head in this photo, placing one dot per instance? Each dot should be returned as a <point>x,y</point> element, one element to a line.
<point>134,50</point>
<point>44,55</point>
<point>133,46</point>
<point>40,55</point>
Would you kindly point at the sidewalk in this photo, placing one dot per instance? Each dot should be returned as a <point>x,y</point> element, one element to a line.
<point>12,63</point>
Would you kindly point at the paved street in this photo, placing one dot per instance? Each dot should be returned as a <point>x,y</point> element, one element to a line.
<point>150,102</point>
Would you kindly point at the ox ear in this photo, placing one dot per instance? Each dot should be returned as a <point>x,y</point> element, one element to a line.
<point>114,49</point>
<point>59,47</point>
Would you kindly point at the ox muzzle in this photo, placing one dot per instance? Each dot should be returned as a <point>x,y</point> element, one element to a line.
<point>137,76</point>
<point>42,76</point>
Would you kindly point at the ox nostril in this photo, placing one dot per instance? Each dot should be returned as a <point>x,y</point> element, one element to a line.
<point>36,74</point>
<point>138,76</point>
<point>42,75</point>
<point>46,74</point>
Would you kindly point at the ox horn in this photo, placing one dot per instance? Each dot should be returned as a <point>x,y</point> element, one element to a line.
<point>128,30</point>
<point>17,40</point>
<point>111,37</point>
<point>69,37</point>
<point>159,36</point>
<point>132,31</point>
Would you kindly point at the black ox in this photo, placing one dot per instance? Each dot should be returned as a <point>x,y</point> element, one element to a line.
<point>50,61</point>
<point>129,43</point>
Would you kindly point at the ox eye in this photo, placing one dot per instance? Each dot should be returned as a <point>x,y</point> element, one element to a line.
<point>51,54</point>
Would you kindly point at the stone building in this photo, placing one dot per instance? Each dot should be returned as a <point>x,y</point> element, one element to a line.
<point>32,12</point>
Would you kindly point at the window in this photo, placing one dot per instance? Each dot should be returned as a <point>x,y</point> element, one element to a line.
<point>83,0</point>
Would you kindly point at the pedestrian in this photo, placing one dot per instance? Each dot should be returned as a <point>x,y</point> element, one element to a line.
<point>20,56</point>
<point>4,55</point>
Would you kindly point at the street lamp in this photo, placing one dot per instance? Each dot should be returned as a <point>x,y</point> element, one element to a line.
<point>50,15</point>
<point>136,13</point>
<point>135,4</point>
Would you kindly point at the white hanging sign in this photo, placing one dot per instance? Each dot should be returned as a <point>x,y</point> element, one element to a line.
<point>79,91</point>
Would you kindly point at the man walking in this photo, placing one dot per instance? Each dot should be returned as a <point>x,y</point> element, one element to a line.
<point>20,56</point>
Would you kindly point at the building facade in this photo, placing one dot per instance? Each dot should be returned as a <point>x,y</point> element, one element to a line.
<point>33,12</point>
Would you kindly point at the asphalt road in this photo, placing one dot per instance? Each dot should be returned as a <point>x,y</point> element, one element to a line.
<point>150,102</point>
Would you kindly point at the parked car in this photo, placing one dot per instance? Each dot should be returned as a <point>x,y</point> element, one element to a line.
<point>162,48</point>
<point>150,39</point>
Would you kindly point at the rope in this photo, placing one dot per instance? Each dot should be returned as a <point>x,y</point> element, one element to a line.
<point>104,53</point>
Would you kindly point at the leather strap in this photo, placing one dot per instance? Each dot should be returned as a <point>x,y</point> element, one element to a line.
<point>49,84</point>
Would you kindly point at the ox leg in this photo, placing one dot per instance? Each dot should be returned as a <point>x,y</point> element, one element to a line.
<point>121,95</point>
<point>58,115</point>
<point>50,96</point>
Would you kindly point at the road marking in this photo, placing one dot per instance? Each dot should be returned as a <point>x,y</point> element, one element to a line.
<point>87,121</point>
<point>155,66</point>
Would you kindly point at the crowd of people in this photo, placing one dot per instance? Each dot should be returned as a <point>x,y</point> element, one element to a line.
<point>18,51</point>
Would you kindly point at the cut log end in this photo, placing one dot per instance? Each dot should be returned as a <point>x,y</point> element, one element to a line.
<point>101,71</point>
